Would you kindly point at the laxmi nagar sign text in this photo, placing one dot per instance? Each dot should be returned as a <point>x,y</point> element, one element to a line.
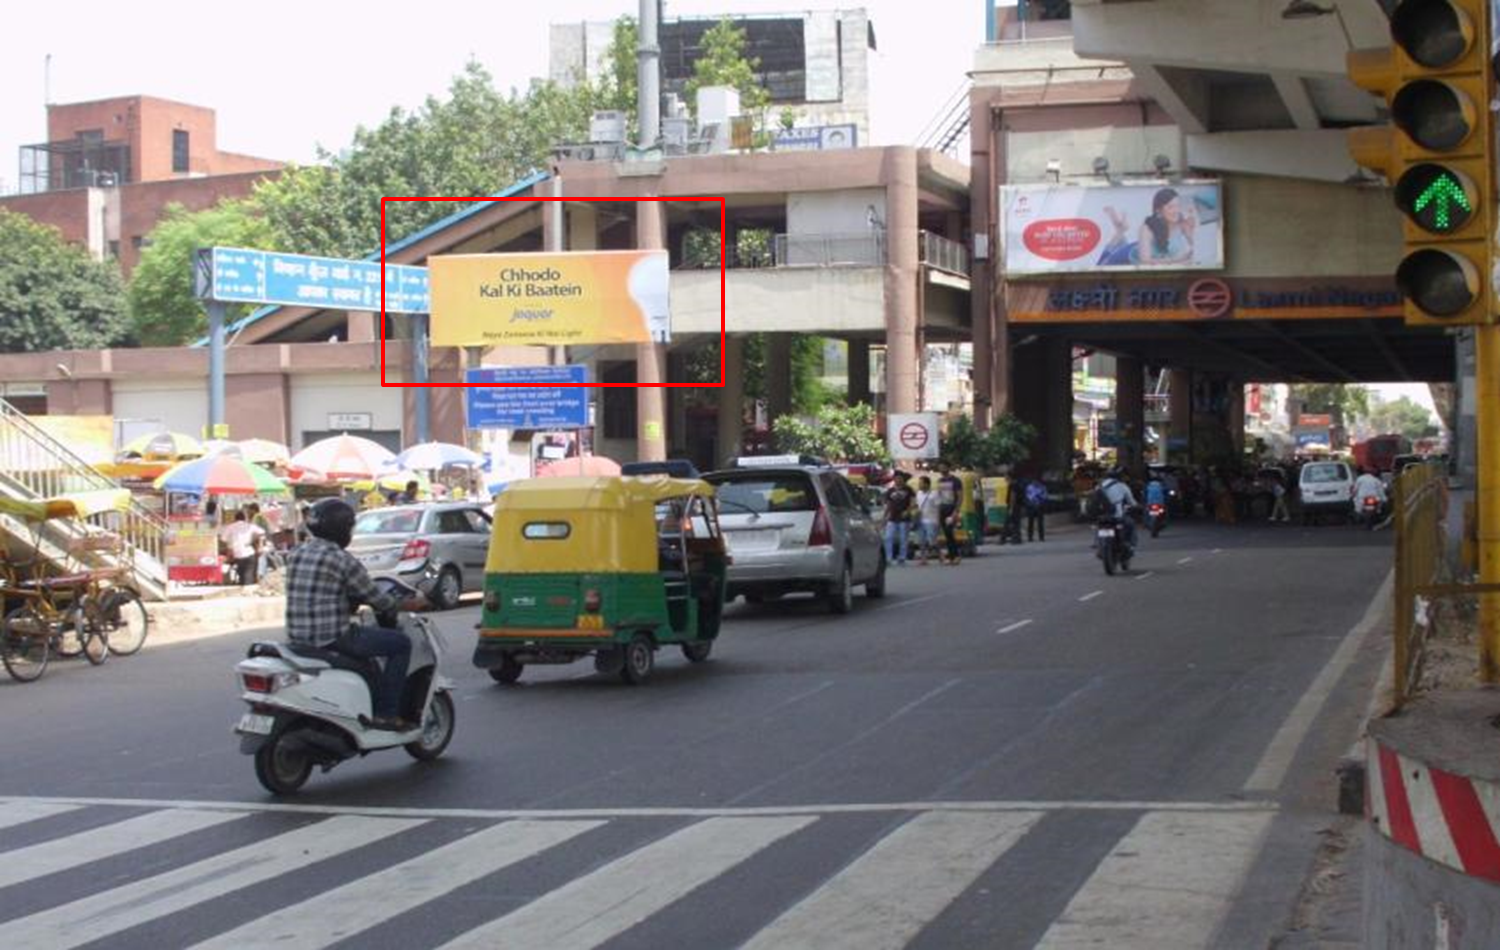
<point>554,299</point>
<point>240,275</point>
<point>1135,227</point>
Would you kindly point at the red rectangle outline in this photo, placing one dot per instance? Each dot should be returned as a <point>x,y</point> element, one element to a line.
<point>723,238</point>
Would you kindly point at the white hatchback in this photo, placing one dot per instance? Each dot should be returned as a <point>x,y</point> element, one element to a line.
<point>1325,487</point>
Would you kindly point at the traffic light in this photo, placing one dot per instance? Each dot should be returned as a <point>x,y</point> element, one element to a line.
<point>1437,152</point>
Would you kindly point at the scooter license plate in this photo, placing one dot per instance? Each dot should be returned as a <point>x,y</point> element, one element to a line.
<point>1106,533</point>
<point>256,724</point>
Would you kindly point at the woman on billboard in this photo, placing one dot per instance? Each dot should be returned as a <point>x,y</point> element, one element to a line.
<point>1165,237</point>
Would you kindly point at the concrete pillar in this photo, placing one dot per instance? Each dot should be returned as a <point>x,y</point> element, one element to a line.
<point>989,327</point>
<point>731,402</point>
<point>902,280</point>
<point>650,358</point>
<point>1130,412</point>
<point>778,375</point>
<point>859,372</point>
<point>1180,415</point>
<point>362,326</point>
<point>1236,417</point>
<point>1043,398</point>
<point>583,227</point>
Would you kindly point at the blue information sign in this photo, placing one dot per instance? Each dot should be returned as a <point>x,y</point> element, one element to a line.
<point>528,397</point>
<point>300,280</point>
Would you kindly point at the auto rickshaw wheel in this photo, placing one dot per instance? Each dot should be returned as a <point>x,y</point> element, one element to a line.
<point>698,652</point>
<point>509,669</point>
<point>640,658</point>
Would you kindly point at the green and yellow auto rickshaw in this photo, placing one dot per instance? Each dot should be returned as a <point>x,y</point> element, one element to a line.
<point>612,568</point>
<point>970,532</point>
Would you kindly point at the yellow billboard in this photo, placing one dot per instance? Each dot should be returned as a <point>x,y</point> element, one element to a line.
<point>552,299</point>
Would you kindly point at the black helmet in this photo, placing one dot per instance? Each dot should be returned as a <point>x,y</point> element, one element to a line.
<point>332,519</point>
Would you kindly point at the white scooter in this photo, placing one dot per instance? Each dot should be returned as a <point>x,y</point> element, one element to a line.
<point>312,707</point>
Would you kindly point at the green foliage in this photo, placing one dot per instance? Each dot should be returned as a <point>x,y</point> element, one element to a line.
<point>722,62</point>
<point>836,433</point>
<point>163,308</point>
<point>617,90</point>
<point>1346,403</point>
<point>1403,416</point>
<point>809,393</point>
<point>471,144</point>
<point>1007,442</point>
<point>52,294</point>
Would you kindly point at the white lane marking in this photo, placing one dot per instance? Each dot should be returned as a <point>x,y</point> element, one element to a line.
<point>359,905</point>
<point>599,906</point>
<point>1090,596</point>
<point>1166,885</point>
<point>71,851</point>
<point>730,811</point>
<point>1185,560</point>
<point>1141,577</point>
<point>911,602</point>
<point>1217,551</point>
<point>887,895</point>
<point>109,912</point>
<point>1015,626</point>
<point>1271,771</point>
<point>23,811</point>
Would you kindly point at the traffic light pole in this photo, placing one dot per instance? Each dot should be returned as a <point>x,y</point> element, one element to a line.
<point>1487,494</point>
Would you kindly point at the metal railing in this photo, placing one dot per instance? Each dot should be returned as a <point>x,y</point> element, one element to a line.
<point>34,465</point>
<point>859,249</point>
<point>1420,508</point>
<point>943,254</point>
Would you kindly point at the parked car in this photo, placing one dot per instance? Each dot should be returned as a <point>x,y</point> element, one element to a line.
<point>797,528</point>
<point>1325,488</point>
<point>439,549</point>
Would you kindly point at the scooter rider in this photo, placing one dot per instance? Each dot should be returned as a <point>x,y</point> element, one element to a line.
<point>1368,485</point>
<point>1121,500</point>
<point>324,584</point>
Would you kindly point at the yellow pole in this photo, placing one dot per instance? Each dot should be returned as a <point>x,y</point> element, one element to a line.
<point>1487,389</point>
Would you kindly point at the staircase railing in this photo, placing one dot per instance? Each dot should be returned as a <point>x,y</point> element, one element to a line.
<point>35,465</point>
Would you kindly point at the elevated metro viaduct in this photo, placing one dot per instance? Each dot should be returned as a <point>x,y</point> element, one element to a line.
<point>1158,91</point>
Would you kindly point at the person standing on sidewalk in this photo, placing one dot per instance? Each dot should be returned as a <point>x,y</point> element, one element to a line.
<point>929,518</point>
<point>1036,510</point>
<point>1279,510</point>
<point>950,489</point>
<point>898,507</point>
<point>243,540</point>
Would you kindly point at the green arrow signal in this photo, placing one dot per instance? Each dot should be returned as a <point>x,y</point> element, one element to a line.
<point>1441,192</point>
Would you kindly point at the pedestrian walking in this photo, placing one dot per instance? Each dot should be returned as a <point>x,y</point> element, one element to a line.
<point>929,519</point>
<point>1279,510</point>
<point>949,489</point>
<point>1036,510</point>
<point>898,507</point>
<point>243,540</point>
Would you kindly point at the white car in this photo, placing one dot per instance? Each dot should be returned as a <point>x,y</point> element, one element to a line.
<point>1325,488</point>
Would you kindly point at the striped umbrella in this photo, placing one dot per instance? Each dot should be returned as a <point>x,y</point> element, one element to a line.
<point>434,455</point>
<point>172,445</point>
<point>344,457</point>
<point>220,475</point>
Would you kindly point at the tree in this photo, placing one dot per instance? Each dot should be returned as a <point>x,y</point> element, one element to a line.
<point>722,62</point>
<point>53,296</point>
<point>1346,403</point>
<point>836,433</point>
<point>1007,442</point>
<point>164,311</point>
<point>1403,416</point>
<point>617,88</point>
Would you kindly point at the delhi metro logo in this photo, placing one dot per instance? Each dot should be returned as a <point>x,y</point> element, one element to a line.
<point>1210,298</point>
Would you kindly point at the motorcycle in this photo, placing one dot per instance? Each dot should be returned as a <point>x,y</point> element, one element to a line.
<point>312,706</point>
<point>1111,545</point>
<point>1369,512</point>
<point>1156,518</point>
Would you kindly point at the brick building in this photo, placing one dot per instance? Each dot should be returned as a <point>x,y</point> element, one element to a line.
<point>109,169</point>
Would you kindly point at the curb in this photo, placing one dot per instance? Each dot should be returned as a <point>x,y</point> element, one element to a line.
<point>181,622</point>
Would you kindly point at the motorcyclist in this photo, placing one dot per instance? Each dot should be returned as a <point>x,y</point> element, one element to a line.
<point>324,584</point>
<point>1121,500</point>
<point>1368,485</point>
<point>1156,492</point>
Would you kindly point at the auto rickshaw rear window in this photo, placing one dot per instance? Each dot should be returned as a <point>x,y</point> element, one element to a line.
<point>760,494</point>
<point>546,530</point>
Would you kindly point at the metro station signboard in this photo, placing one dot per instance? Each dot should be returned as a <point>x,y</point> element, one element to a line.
<point>241,275</point>
<point>1149,300</point>
<point>1069,228</point>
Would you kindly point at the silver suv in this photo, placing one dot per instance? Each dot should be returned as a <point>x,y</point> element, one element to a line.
<point>797,528</point>
<point>438,548</point>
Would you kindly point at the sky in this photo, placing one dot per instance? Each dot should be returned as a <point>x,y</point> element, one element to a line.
<point>287,76</point>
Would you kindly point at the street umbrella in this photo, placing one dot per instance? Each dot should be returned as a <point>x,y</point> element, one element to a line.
<point>221,447</point>
<point>264,451</point>
<point>434,455</point>
<point>171,445</point>
<point>395,481</point>
<point>220,475</point>
<point>344,458</point>
<point>585,466</point>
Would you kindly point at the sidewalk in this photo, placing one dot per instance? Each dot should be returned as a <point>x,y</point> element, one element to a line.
<point>183,621</point>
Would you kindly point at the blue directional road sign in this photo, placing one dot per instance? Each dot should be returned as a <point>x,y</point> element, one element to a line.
<point>536,397</point>
<point>299,280</point>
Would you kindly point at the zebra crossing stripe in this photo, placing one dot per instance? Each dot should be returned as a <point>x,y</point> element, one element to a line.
<point>61,854</point>
<point>19,812</point>
<point>592,909</point>
<point>100,915</point>
<point>892,891</point>
<point>1166,884</point>
<point>359,905</point>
